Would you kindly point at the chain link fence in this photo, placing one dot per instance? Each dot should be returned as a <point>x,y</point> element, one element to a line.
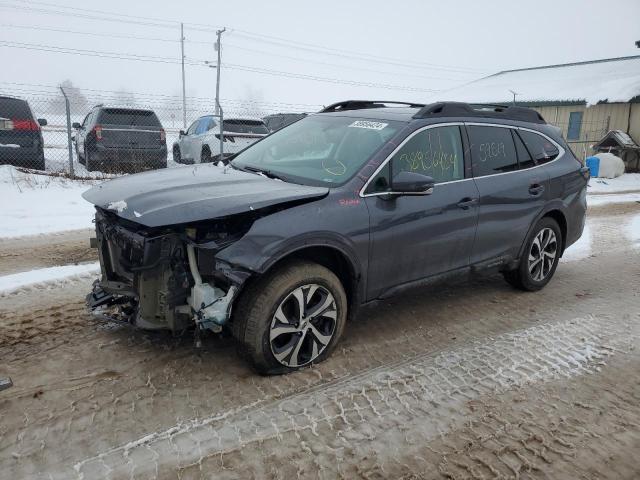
<point>67,132</point>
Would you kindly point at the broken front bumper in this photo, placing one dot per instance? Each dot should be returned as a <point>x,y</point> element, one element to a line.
<point>152,279</point>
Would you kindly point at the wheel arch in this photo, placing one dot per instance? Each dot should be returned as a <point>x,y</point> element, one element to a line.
<point>556,212</point>
<point>332,257</point>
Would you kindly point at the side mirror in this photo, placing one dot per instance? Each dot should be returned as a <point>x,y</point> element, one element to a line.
<point>76,125</point>
<point>42,122</point>
<point>181,133</point>
<point>412,183</point>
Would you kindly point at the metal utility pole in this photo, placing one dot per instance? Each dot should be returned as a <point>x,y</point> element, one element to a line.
<point>514,96</point>
<point>184,94</point>
<point>219,50</point>
<point>67,108</point>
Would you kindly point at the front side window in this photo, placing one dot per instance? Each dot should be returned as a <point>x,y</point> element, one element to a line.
<point>319,149</point>
<point>492,150</point>
<point>204,125</point>
<point>541,149</point>
<point>434,152</point>
<point>192,128</point>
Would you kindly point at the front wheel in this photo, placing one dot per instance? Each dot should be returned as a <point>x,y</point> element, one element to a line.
<point>291,318</point>
<point>540,257</point>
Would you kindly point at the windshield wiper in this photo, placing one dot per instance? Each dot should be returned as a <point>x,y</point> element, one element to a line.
<point>263,171</point>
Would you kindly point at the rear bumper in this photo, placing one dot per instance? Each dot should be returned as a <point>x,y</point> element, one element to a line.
<point>21,156</point>
<point>129,156</point>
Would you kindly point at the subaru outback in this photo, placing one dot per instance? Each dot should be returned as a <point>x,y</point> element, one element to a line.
<point>340,209</point>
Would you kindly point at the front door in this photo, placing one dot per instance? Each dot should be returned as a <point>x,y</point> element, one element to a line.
<point>417,236</point>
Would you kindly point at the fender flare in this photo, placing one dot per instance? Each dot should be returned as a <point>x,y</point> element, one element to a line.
<point>550,206</point>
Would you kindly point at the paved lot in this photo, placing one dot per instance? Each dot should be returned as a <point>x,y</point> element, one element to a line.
<point>459,381</point>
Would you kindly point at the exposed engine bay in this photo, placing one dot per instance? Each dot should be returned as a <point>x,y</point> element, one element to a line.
<point>166,278</point>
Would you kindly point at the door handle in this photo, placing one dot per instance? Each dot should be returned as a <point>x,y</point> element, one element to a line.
<point>536,189</point>
<point>467,203</point>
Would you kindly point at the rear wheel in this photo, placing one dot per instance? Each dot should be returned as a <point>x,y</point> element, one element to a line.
<point>177,157</point>
<point>291,318</point>
<point>540,258</point>
<point>87,161</point>
<point>205,156</point>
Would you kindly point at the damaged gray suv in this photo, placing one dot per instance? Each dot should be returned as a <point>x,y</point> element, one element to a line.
<point>340,209</point>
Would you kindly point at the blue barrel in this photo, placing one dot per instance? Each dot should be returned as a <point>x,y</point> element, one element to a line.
<point>593,164</point>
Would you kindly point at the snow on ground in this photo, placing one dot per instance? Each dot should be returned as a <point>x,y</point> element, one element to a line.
<point>581,249</point>
<point>35,204</point>
<point>629,182</point>
<point>597,200</point>
<point>633,231</point>
<point>51,275</point>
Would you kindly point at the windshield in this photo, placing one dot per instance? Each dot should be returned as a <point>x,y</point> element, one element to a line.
<point>319,149</point>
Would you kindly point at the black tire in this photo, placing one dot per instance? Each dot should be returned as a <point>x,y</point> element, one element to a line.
<point>40,162</point>
<point>177,157</point>
<point>205,156</point>
<point>255,315</point>
<point>88,164</point>
<point>522,277</point>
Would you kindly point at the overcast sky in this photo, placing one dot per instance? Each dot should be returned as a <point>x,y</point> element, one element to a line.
<point>405,50</point>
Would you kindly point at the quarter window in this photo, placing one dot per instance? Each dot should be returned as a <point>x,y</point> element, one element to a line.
<point>524,157</point>
<point>492,150</point>
<point>541,149</point>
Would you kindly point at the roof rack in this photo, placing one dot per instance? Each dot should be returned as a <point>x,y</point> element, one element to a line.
<point>362,104</point>
<point>458,109</point>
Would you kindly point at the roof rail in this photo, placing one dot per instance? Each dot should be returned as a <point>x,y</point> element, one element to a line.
<point>458,109</point>
<point>362,104</point>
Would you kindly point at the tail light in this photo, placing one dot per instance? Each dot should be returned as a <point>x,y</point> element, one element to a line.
<point>28,125</point>
<point>98,131</point>
<point>163,135</point>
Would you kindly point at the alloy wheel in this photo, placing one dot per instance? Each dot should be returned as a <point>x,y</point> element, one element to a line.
<point>542,254</point>
<point>303,325</point>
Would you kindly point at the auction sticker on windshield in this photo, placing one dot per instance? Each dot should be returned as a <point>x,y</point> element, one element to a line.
<point>369,125</point>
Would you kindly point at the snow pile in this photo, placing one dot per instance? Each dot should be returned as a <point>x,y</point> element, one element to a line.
<point>610,165</point>
<point>616,80</point>
<point>35,203</point>
<point>43,277</point>
<point>629,182</point>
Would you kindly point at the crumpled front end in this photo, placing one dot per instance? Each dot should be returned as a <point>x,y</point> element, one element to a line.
<point>160,278</point>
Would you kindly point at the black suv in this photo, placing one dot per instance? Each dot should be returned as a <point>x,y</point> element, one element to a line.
<point>121,139</point>
<point>21,141</point>
<point>339,209</point>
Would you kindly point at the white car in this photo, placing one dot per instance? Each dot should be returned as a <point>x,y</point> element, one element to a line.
<point>201,142</point>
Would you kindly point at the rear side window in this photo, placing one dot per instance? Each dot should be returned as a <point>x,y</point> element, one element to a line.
<point>245,126</point>
<point>492,150</point>
<point>541,149</point>
<point>138,118</point>
<point>15,109</point>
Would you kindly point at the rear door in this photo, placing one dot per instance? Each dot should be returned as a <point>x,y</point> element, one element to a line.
<point>419,236</point>
<point>512,193</point>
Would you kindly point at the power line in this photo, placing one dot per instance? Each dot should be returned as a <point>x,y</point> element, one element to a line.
<point>247,68</point>
<point>94,34</point>
<point>279,41</point>
<point>348,54</point>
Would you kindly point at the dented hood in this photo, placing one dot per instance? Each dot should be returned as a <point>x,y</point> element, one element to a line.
<point>188,194</point>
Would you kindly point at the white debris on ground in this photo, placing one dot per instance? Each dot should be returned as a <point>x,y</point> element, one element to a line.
<point>42,276</point>
<point>39,204</point>
<point>579,250</point>
<point>597,200</point>
<point>633,231</point>
<point>629,182</point>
